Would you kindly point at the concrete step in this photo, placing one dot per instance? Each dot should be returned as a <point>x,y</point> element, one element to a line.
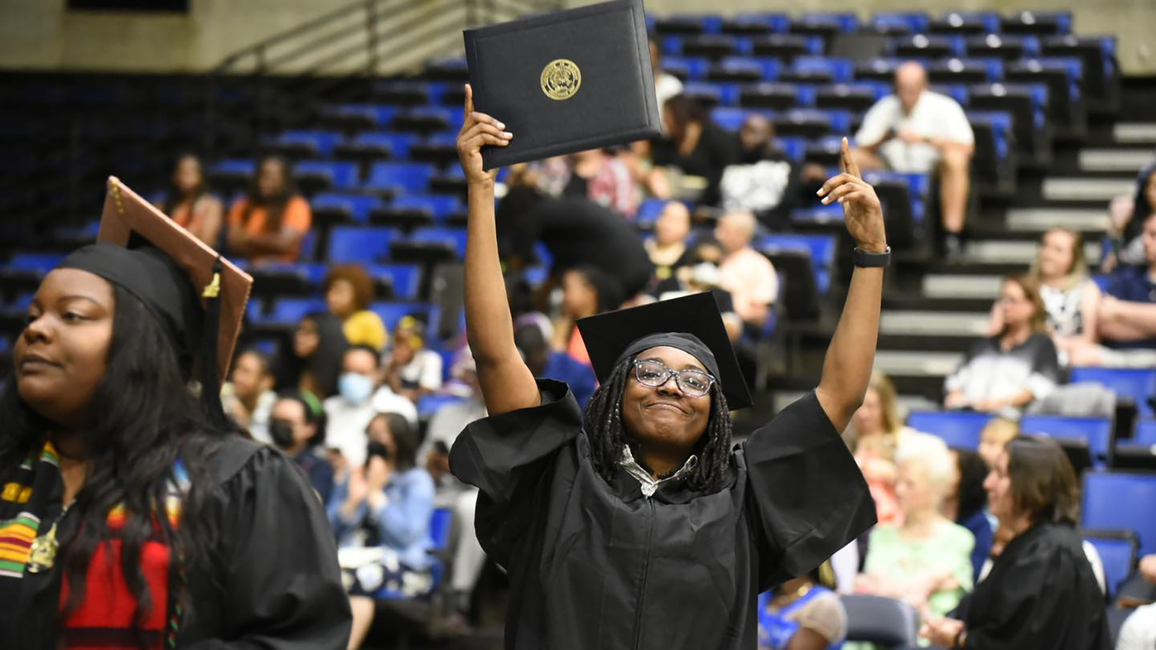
<point>907,403</point>
<point>924,364</point>
<point>1135,132</point>
<point>1115,160</point>
<point>1043,219</point>
<point>931,323</point>
<point>1015,252</point>
<point>1087,189</point>
<point>946,285</point>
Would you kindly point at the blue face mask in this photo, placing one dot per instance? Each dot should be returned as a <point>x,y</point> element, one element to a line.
<point>355,388</point>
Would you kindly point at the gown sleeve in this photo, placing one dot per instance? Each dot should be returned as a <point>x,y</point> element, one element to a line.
<point>806,497</point>
<point>507,457</point>
<point>280,582</point>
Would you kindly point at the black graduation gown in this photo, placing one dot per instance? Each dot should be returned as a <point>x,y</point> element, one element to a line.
<point>598,565</point>
<point>1041,594</point>
<point>276,563</point>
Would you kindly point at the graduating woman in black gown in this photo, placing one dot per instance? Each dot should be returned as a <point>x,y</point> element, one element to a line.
<point>1041,593</point>
<point>133,515</point>
<point>636,524</point>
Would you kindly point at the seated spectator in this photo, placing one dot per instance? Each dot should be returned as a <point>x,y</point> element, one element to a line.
<point>745,273</point>
<point>348,292</point>
<point>926,562</point>
<point>916,130</point>
<point>763,181</point>
<point>704,276</point>
<point>696,146</point>
<point>875,434</point>
<point>666,85</point>
<point>386,505</point>
<point>360,399</point>
<point>1041,593</point>
<point>586,291</point>
<point>668,249</point>
<point>532,336</point>
<point>597,175</point>
<point>1071,299</point>
<point>248,397</point>
<point>297,427</point>
<point>190,204</point>
<point>994,437</point>
<point>271,222</point>
<point>803,614</point>
<point>1127,315</point>
<point>413,370</point>
<point>966,505</point>
<point>312,361</point>
<point>1127,215</point>
<point>1006,372</point>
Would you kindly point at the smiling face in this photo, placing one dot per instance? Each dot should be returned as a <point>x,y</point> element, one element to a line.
<point>62,355</point>
<point>1057,254</point>
<point>665,417</point>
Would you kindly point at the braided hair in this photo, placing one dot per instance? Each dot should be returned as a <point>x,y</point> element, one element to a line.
<point>608,437</point>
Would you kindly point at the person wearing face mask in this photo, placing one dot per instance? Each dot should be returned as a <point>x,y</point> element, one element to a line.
<point>358,399</point>
<point>297,427</point>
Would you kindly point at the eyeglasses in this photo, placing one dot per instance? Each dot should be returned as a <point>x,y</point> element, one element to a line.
<point>654,373</point>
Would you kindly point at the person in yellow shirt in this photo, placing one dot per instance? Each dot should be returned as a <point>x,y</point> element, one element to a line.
<point>348,292</point>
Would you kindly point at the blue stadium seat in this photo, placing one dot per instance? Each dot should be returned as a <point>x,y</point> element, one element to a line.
<point>1145,432</point>
<point>731,119</point>
<point>411,178</point>
<point>900,21</point>
<point>771,22</point>
<point>398,143</point>
<point>965,71</point>
<point>857,96</point>
<point>455,237</point>
<point>823,69</point>
<point>649,211</point>
<point>234,166</point>
<point>33,263</point>
<point>1136,384</point>
<point>821,249</point>
<point>670,45</point>
<point>357,206</point>
<point>288,311</point>
<point>1097,432</point>
<point>404,278</point>
<point>777,96</point>
<point>392,312</point>
<point>794,149</point>
<point>960,429</point>
<point>359,244</point>
<point>381,115</point>
<point>439,205</point>
<point>843,22</point>
<point>746,68</point>
<point>687,67</point>
<point>1119,500</point>
<point>428,405</point>
<point>958,92</point>
<point>918,186</point>
<point>341,175</point>
<point>986,22</point>
<point>321,142</point>
<point>931,46</point>
<point>1117,550</point>
<point>707,93</point>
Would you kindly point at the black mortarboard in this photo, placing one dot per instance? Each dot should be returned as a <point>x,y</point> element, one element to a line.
<point>566,81</point>
<point>692,324</point>
<point>198,297</point>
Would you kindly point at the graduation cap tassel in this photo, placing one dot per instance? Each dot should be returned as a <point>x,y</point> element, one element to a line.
<point>210,372</point>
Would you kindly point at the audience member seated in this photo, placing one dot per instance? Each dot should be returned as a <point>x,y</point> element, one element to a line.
<point>312,360</point>
<point>994,437</point>
<point>1071,299</point>
<point>297,427</point>
<point>1006,372</point>
<point>248,397</point>
<point>702,276</point>
<point>803,614</point>
<point>532,335</point>
<point>666,85</point>
<point>381,512</point>
<point>359,400</point>
<point>966,505</point>
<point>916,130</point>
<point>927,560</point>
<point>348,292</point>
<point>1140,589</point>
<point>1041,593</point>
<point>1139,630</point>
<point>745,273</point>
<point>763,181</point>
<point>586,291</point>
<point>875,434</point>
<point>695,146</point>
<point>669,249</point>
<point>413,370</point>
<point>597,175</point>
<point>271,222</point>
<point>1126,321</point>
<point>190,204</point>
<point>1127,215</point>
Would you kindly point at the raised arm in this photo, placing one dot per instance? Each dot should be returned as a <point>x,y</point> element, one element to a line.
<point>847,367</point>
<point>506,382</point>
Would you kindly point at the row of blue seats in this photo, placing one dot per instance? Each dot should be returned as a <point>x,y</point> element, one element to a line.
<point>287,311</point>
<point>891,22</point>
<point>398,178</point>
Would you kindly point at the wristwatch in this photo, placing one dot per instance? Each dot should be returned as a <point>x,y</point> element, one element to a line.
<point>872,260</point>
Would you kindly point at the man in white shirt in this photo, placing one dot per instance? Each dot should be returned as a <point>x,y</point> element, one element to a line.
<point>745,273</point>
<point>916,130</point>
<point>359,398</point>
<point>666,85</point>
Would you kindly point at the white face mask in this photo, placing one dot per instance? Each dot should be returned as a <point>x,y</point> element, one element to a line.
<point>355,388</point>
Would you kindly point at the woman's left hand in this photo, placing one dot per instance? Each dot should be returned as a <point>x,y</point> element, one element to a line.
<point>862,211</point>
<point>943,632</point>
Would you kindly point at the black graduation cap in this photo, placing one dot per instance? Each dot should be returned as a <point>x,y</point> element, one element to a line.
<point>691,323</point>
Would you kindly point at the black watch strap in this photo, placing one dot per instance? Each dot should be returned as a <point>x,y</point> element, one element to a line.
<point>872,260</point>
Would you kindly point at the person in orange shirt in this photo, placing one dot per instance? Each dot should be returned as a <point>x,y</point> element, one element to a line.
<point>190,204</point>
<point>270,223</point>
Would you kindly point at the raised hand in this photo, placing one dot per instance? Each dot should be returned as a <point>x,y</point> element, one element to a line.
<point>477,131</point>
<point>862,212</point>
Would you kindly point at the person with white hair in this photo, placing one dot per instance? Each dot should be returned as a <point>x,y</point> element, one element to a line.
<point>926,561</point>
<point>744,272</point>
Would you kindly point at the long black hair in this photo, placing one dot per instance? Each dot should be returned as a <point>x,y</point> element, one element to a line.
<point>972,495</point>
<point>274,205</point>
<point>608,436</point>
<point>143,419</point>
<point>175,198</point>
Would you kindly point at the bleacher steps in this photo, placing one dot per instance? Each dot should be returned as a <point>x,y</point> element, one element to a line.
<point>950,285</point>
<point>1115,160</point>
<point>933,323</point>
<point>1015,252</point>
<point>1042,219</point>
<point>1135,132</point>
<point>1098,189</point>
<point>918,363</point>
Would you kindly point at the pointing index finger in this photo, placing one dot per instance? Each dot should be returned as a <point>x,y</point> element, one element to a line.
<point>848,161</point>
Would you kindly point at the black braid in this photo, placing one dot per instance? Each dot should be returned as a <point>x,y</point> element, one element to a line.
<point>608,436</point>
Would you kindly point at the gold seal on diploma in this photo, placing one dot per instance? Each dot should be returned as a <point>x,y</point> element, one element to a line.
<point>561,79</point>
